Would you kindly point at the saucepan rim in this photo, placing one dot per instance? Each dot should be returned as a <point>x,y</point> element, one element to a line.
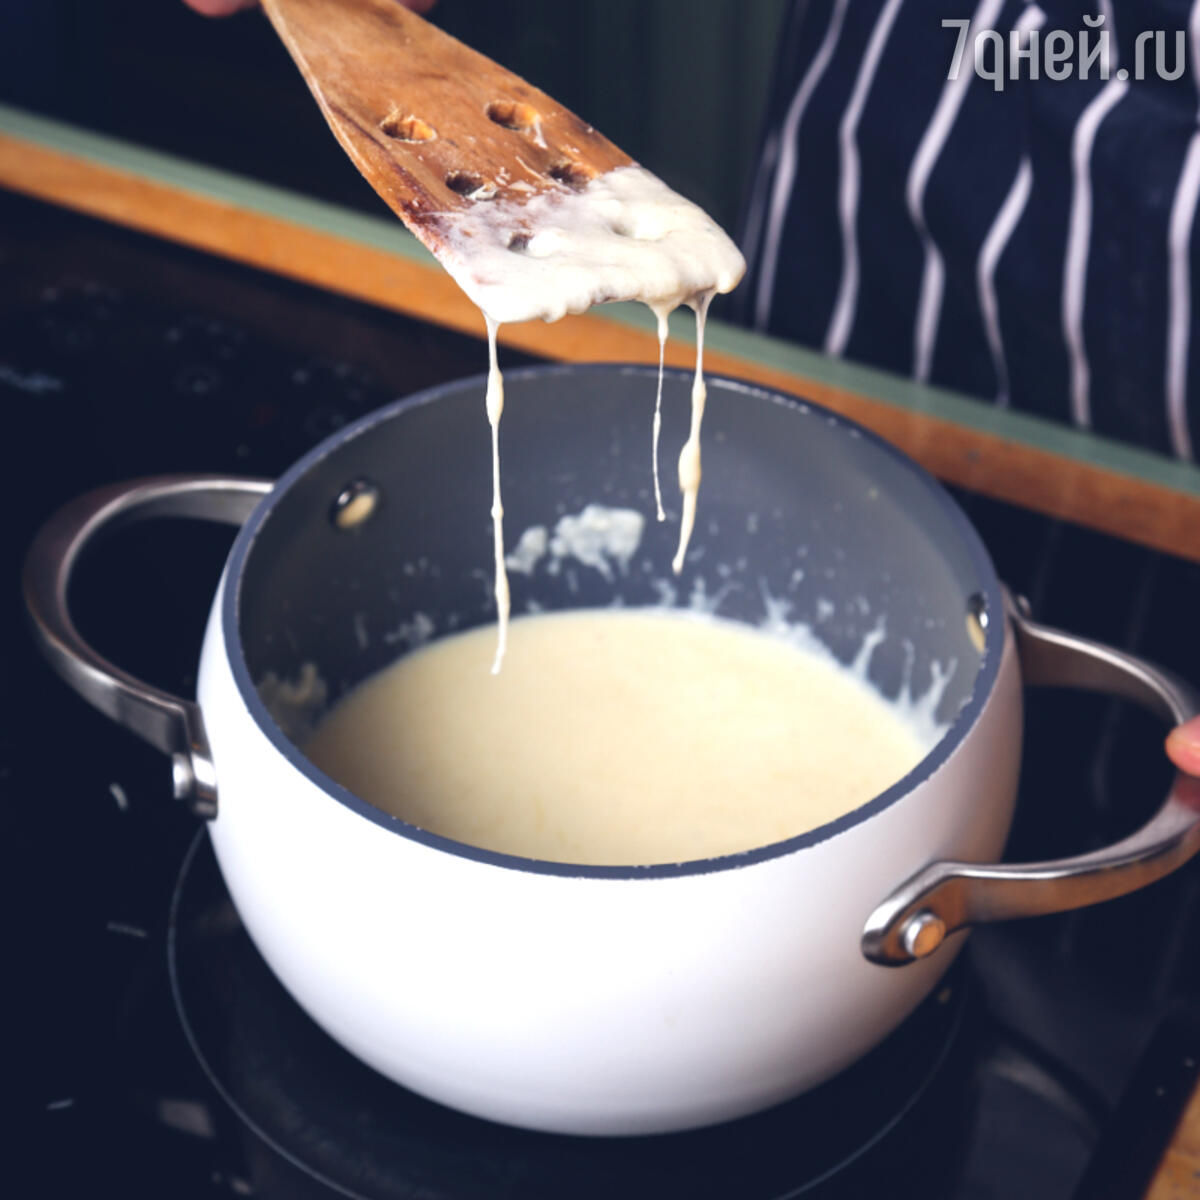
<point>961,726</point>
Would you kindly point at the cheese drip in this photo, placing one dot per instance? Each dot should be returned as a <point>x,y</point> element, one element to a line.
<point>689,456</point>
<point>661,312</point>
<point>624,236</point>
<point>495,408</point>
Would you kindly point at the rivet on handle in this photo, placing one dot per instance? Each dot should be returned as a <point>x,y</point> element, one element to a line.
<point>354,504</point>
<point>923,934</point>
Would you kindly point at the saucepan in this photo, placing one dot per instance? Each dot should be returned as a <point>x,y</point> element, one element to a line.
<point>604,999</point>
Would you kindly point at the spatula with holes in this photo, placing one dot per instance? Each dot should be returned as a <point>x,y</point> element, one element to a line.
<point>433,125</point>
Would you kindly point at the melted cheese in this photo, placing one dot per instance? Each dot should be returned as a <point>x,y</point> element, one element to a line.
<point>619,736</point>
<point>624,236</point>
<point>494,403</point>
<point>689,456</point>
<point>661,313</point>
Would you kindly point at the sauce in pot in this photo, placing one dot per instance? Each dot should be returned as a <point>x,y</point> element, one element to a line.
<point>617,736</point>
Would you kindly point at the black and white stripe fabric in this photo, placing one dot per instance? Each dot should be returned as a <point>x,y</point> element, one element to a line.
<point>1034,246</point>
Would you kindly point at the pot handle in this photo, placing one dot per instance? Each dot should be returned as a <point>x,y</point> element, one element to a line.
<point>166,721</point>
<point>945,896</point>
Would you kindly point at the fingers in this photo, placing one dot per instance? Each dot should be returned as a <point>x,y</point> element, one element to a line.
<point>1183,746</point>
<point>222,8</point>
<point>219,8</point>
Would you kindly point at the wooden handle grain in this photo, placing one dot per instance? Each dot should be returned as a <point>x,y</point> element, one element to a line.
<point>433,125</point>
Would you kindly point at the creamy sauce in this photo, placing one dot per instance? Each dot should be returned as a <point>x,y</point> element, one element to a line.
<point>624,236</point>
<point>661,312</point>
<point>495,407</point>
<point>689,456</point>
<point>617,736</point>
<point>597,536</point>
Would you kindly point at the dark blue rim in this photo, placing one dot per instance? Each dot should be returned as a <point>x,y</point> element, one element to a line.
<point>985,680</point>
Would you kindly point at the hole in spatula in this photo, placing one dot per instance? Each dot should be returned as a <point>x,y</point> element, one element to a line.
<point>407,128</point>
<point>470,185</point>
<point>512,114</point>
<point>574,175</point>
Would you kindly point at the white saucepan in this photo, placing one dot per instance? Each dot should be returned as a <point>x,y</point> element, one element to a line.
<point>604,1000</point>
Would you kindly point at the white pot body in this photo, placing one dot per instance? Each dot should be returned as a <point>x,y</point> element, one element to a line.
<point>580,1004</point>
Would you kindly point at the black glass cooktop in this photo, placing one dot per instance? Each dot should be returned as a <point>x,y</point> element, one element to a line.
<point>1051,1066</point>
<point>326,1121</point>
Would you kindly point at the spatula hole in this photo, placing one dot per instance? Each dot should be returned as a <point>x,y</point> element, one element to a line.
<point>512,114</point>
<point>407,128</point>
<point>574,175</point>
<point>470,185</point>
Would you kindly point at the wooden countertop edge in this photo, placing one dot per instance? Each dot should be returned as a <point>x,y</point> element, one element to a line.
<point>1135,509</point>
<point>1178,1175</point>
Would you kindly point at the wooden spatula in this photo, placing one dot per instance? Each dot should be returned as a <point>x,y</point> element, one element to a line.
<point>433,125</point>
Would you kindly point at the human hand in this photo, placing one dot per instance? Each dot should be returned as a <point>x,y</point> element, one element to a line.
<point>1183,746</point>
<point>222,8</point>
<point>219,8</point>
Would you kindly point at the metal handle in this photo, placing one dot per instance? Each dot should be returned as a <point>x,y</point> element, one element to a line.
<point>164,720</point>
<point>918,916</point>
